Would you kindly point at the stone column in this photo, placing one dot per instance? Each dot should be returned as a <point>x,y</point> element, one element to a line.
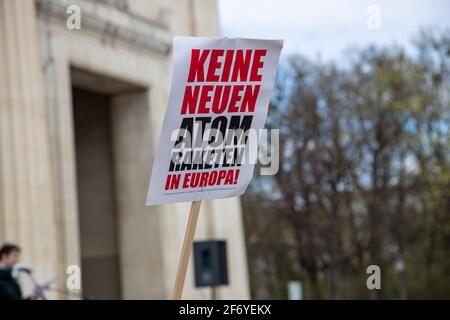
<point>141,243</point>
<point>62,149</point>
<point>27,215</point>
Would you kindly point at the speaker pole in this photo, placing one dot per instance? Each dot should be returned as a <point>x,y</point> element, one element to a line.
<point>186,251</point>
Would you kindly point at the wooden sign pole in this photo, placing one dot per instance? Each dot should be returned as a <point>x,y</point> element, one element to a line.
<point>186,251</point>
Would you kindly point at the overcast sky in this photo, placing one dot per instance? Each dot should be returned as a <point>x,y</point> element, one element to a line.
<point>327,26</point>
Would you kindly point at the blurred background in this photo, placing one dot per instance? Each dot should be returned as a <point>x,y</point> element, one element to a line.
<point>362,102</point>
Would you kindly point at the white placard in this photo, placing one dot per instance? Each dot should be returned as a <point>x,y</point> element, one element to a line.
<point>219,96</point>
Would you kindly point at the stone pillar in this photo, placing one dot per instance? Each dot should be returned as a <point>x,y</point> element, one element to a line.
<point>141,242</point>
<point>27,215</point>
<point>62,149</point>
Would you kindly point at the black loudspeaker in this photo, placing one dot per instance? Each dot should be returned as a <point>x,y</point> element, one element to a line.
<point>210,262</point>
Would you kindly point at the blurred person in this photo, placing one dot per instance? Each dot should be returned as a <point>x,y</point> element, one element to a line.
<point>9,287</point>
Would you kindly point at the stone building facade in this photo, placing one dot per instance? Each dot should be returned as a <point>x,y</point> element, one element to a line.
<point>80,116</point>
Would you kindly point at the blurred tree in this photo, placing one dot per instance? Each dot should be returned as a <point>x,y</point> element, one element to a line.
<point>364,177</point>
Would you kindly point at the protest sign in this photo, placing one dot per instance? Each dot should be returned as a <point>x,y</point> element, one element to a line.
<point>220,91</point>
<point>219,95</point>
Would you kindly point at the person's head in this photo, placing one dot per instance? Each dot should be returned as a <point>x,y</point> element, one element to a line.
<point>9,255</point>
